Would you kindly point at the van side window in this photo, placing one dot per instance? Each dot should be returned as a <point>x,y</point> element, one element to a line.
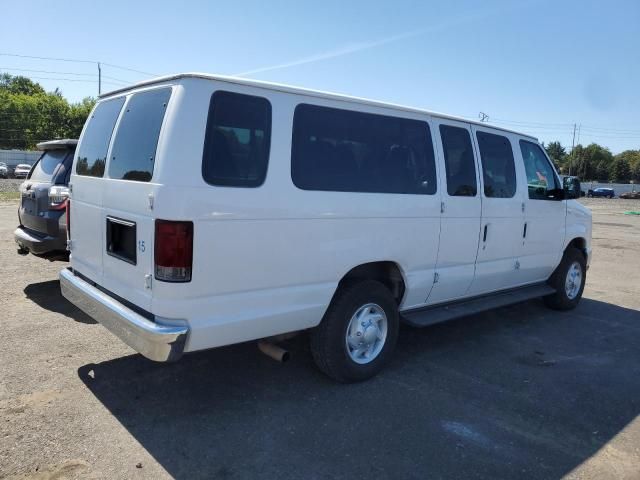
<point>92,152</point>
<point>498,167</point>
<point>459,161</point>
<point>349,151</point>
<point>134,147</point>
<point>541,179</point>
<point>236,147</point>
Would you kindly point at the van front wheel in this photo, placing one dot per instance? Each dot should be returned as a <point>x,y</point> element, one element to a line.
<point>568,280</point>
<point>358,332</point>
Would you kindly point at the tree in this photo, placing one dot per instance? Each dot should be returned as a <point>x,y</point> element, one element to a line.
<point>556,152</point>
<point>28,114</point>
<point>20,85</point>
<point>588,161</point>
<point>635,172</point>
<point>620,171</point>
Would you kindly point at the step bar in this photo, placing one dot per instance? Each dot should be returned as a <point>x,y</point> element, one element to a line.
<point>423,317</point>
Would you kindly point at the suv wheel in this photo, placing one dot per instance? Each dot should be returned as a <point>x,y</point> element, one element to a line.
<point>568,280</point>
<point>358,332</point>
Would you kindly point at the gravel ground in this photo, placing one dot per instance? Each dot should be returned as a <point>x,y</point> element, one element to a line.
<point>521,392</point>
<point>10,184</point>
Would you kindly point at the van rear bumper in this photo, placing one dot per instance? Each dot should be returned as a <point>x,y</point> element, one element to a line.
<point>162,343</point>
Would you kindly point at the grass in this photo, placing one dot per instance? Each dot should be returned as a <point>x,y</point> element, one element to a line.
<point>9,196</point>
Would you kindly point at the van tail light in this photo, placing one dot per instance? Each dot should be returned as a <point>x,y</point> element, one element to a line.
<point>173,251</point>
<point>58,197</point>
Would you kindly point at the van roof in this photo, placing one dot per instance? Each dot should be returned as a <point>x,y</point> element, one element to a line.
<point>304,91</point>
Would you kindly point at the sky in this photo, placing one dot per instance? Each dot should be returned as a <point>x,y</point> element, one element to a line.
<point>536,66</point>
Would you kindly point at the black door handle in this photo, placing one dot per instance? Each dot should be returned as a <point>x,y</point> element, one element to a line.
<point>484,235</point>
<point>524,233</point>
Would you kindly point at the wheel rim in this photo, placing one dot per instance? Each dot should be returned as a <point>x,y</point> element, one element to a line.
<point>573,282</point>
<point>366,333</point>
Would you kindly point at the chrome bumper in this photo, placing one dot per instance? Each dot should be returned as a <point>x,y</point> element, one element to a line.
<point>161,343</point>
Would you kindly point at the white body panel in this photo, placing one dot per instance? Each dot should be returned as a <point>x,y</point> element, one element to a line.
<point>268,260</point>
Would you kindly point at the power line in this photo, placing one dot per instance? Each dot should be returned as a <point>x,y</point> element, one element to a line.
<point>71,80</point>
<point>130,69</point>
<point>49,71</point>
<point>74,60</point>
<point>46,58</point>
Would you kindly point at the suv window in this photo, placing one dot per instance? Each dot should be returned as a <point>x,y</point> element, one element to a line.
<point>541,179</point>
<point>498,167</point>
<point>459,162</point>
<point>44,168</point>
<point>134,147</point>
<point>349,151</point>
<point>92,152</point>
<point>237,142</point>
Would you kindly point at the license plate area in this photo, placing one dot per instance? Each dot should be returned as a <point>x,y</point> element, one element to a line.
<point>121,239</point>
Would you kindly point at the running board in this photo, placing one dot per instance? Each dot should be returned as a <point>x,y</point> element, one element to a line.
<point>441,313</point>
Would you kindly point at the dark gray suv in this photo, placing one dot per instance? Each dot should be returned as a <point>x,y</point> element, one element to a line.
<point>42,212</point>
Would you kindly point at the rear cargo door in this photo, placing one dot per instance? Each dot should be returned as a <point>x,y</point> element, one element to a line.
<point>87,188</point>
<point>127,222</point>
<point>35,206</point>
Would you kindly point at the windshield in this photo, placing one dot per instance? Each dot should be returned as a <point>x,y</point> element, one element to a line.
<point>44,169</point>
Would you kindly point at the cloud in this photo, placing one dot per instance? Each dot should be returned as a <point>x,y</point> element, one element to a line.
<point>339,52</point>
<point>362,46</point>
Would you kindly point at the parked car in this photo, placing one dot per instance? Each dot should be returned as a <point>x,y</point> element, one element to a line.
<point>279,209</point>
<point>630,195</point>
<point>4,170</point>
<point>22,170</point>
<point>601,192</point>
<point>42,213</point>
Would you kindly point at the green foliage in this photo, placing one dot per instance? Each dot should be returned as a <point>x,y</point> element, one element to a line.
<point>29,114</point>
<point>19,85</point>
<point>620,171</point>
<point>556,152</point>
<point>596,163</point>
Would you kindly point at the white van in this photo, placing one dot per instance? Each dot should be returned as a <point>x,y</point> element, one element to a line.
<point>208,210</point>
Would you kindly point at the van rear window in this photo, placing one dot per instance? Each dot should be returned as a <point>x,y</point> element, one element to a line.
<point>134,147</point>
<point>236,147</point>
<point>92,151</point>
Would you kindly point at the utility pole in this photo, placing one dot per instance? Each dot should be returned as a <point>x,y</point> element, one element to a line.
<point>99,79</point>
<point>573,144</point>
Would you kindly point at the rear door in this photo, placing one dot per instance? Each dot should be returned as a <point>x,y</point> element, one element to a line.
<point>127,222</point>
<point>87,189</point>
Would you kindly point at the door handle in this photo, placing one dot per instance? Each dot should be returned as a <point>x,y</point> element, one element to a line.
<point>524,233</point>
<point>484,235</point>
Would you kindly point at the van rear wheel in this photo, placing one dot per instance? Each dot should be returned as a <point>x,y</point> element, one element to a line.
<point>568,280</point>
<point>358,332</point>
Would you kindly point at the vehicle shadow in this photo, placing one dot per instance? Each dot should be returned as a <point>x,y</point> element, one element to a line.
<point>47,295</point>
<point>521,392</point>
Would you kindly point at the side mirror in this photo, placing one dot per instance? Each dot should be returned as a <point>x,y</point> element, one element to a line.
<point>571,187</point>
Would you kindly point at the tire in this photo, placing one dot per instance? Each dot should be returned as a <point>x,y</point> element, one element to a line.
<point>567,296</point>
<point>330,347</point>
